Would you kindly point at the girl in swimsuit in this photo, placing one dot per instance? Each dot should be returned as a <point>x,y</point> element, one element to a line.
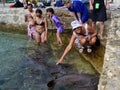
<point>41,27</point>
<point>58,23</point>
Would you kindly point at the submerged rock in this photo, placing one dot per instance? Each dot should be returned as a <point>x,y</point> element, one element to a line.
<point>74,82</point>
<point>2,82</point>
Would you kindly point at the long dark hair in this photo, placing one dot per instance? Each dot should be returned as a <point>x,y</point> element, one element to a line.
<point>40,13</point>
<point>50,10</point>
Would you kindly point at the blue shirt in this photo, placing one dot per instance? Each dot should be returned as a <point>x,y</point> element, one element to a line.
<point>83,1</point>
<point>79,7</point>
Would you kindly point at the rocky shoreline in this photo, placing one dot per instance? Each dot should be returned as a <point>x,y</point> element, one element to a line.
<point>109,80</point>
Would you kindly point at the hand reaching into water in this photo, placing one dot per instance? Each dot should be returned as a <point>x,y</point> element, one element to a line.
<point>59,61</point>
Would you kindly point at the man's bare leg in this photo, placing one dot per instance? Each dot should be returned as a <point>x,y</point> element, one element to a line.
<point>101,30</point>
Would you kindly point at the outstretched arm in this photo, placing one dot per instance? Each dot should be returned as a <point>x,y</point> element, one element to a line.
<point>67,49</point>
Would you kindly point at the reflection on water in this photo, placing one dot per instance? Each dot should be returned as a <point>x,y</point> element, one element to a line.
<point>24,66</point>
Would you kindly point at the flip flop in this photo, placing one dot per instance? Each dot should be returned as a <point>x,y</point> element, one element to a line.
<point>81,49</point>
<point>89,50</point>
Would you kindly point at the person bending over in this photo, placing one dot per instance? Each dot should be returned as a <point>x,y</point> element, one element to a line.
<point>58,23</point>
<point>78,10</point>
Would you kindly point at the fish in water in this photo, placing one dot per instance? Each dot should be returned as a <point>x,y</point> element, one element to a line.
<point>74,82</point>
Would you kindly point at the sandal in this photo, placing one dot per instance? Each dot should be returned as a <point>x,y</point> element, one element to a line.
<point>89,50</point>
<point>81,49</point>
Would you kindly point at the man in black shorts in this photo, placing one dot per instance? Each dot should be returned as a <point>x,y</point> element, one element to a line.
<point>98,13</point>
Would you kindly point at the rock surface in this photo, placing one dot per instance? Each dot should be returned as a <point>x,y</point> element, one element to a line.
<point>15,16</point>
<point>110,77</point>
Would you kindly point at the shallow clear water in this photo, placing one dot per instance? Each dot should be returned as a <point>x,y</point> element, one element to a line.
<point>24,66</point>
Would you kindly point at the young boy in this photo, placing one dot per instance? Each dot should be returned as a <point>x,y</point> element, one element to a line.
<point>31,27</point>
<point>58,23</point>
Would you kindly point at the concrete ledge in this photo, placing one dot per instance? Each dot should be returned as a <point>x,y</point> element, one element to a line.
<point>15,16</point>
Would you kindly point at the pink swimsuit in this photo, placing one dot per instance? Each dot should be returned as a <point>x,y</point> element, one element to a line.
<point>31,30</point>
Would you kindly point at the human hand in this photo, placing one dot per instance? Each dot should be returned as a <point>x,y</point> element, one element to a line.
<point>59,61</point>
<point>88,38</point>
<point>91,7</point>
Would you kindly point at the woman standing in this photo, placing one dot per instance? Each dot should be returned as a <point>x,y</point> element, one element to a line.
<point>98,13</point>
<point>41,27</point>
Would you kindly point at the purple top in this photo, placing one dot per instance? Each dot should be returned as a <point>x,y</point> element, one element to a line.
<point>56,20</point>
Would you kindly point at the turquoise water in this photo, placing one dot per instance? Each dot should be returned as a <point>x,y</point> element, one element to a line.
<point>24,66</point>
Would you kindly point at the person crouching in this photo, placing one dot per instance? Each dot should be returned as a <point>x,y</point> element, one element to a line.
<point>85,36</point>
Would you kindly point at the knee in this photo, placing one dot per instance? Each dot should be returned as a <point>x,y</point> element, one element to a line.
<point>92,41</point>
<point>83,41</point>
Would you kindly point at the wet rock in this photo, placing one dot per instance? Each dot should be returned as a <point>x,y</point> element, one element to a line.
<point>74,82</point>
